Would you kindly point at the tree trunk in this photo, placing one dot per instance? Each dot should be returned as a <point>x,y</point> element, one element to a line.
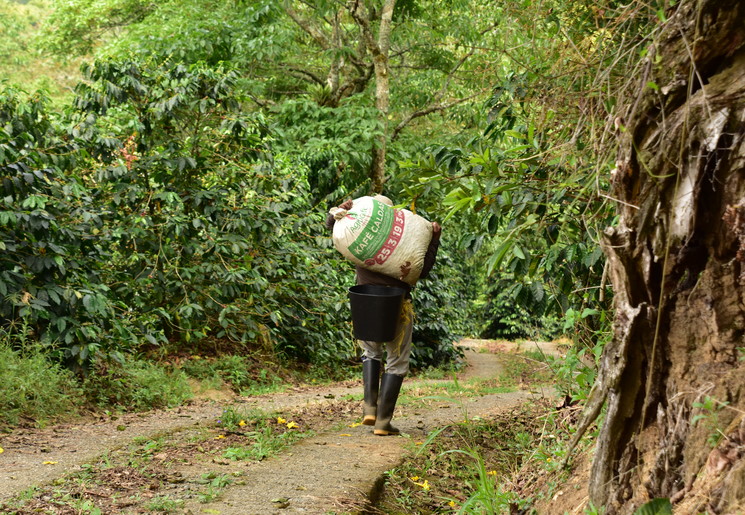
<point>337,63</point>
<point>673,377</point>
<point>379,48</point>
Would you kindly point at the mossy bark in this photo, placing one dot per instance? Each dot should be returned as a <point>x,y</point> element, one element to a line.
<point>673,377</point>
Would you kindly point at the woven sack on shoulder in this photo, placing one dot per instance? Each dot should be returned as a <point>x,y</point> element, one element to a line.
<point>380,238</point>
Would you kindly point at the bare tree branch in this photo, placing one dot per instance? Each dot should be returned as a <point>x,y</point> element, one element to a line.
<point>262,102</point>
<point>355,9</point>
<point>355,85</point>
<point>449,78</point>
<point>305,74</point>
<point>429,110</point>
<point>319,37</point>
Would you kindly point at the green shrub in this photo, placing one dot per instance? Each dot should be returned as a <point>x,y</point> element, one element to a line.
<point>131,237</point>
<point>440,307</point>
<point>239,372</point>
<point>34,388</point>
<point>137,386</point>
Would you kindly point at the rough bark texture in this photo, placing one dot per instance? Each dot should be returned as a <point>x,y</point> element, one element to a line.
<point>379,49</point>
<point>673,378</point>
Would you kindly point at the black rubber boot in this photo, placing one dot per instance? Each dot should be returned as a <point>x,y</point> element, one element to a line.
<point>390,386</point>
<point>371,386</point>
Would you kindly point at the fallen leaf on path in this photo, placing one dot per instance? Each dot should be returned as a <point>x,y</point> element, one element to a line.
<point>49,463</point>
<point>282,502</point>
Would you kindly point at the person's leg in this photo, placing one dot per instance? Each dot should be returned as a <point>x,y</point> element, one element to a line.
<point>398,353</point>
<point>371,364</point>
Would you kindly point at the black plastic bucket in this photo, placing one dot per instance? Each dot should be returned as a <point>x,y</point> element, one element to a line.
<point>375,311</point>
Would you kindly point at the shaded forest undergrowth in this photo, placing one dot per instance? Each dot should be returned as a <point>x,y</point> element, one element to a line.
<point>35,391</point>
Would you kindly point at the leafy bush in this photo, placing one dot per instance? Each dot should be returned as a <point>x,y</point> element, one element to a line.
<point>439,305</point>
<point>239,372</point>
<point>333,142</point>
<point>142,227</point>
<point>49,267</point>
<point>137,386</point>
<point>211,233</point>
<point>513,310</point>
<point>503,317</point>
<point>32,388</point>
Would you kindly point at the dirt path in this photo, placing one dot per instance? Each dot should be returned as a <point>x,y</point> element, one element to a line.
<point>335,471</point>
<point>338,471</point>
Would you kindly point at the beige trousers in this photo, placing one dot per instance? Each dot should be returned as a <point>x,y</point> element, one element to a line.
<point>398,351</point>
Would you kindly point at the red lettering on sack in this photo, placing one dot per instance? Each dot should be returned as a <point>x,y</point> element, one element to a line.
<point>394,238</point>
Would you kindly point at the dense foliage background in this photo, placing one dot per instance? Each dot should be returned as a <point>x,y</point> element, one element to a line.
<point>172,199</point>
<point>166,168</point>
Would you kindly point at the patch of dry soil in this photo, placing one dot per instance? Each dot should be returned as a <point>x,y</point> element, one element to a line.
<point>338,470</point>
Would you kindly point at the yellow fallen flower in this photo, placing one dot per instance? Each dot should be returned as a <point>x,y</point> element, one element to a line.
<point>345,434</point>
<point>242,423</point>
<point>49,463</point>
<point>424,484</point>
<point>280,420</point>
<point>355,424</point>
<point>218,437</point>
<point>2,450</point>
<point>292,425</point>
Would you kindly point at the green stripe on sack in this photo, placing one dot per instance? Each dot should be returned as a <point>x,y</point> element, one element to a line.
<point>375,233</point>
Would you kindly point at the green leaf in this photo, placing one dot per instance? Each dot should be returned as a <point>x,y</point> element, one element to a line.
<point>492,224</point>
<point>536,288</point>
<point>660,506</point>
<point>89,303</point>
<point>495,260</point>
<point>456,207</point>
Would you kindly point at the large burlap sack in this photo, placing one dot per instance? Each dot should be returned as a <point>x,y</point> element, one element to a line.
<point>378,237</point>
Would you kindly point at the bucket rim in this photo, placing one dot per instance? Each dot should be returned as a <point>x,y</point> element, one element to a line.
<point>384,291</point>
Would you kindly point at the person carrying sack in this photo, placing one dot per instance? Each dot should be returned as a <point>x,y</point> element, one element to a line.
<point>381,392</point>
